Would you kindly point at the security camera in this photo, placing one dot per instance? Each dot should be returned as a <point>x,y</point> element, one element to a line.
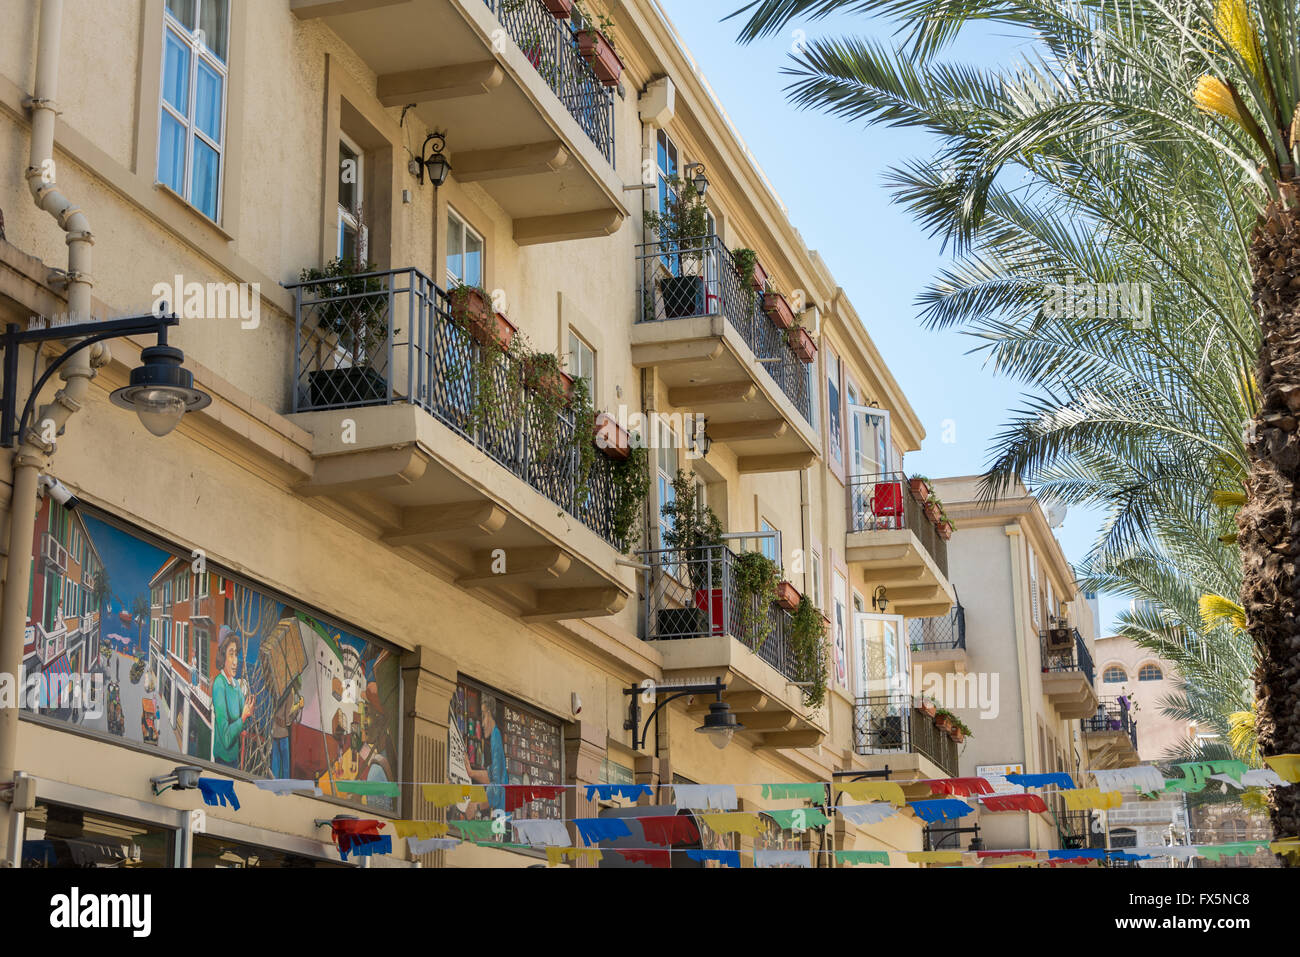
<point>575,703</point>
<point>187,777</point>
<point>58,492</point>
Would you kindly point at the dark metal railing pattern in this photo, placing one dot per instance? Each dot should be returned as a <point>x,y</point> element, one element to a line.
<point>1112,715</point>
<point>551,46</point>
<point>945,633</point>
<point>416,353</point>
<point>884,724</point>
<point>700,278</point>
<point>1075,657</point>
<point>694,594</point>
<point>885,501</point>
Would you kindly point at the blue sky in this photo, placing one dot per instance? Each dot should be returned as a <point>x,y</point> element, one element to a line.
<point>831,177</point>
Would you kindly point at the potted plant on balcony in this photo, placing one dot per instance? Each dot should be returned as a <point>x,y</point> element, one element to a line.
<point>682,227</point>
<point>944,526</point>
<point>802,343</point>
<point>943,719</point>
<point>611,438</point>
<point>596,46</point>
<point>933,509</point>
<point>471,309</point>
<point>695,533</point>
<point>630,481</point>
<point>787,596</point>
<point>777,309</point>
<point>355,322</point>
<point>756,578</point>
<point>959,732</point>
<point>920,486</point>
<point>560,9</point>
<point>808,646</point>
<point>750,269</point>
<point>928,705</point>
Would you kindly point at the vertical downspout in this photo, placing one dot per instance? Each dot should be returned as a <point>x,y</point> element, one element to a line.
<point>33,452</point>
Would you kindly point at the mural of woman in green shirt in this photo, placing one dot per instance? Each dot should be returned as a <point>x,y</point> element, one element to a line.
<point>230,706</point>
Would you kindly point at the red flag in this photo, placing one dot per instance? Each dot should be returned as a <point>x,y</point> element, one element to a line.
<point>1015,802</point>
<point>517,795</point>
<point>961,787</point>
<point>668,829</point>
<point>637,855</point>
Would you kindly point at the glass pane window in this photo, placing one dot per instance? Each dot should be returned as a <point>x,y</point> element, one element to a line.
<point>192,105</point>
<point>59,836</point>
<point>582,359</point>
<point>464,252</point>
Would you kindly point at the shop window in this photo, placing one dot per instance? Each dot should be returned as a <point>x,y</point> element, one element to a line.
<point>58,836</point>
<point>210,851</point>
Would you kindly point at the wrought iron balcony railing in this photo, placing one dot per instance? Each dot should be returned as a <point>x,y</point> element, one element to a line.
<point>695,594</point>
<point>1065,652</point>
<point>413,352</point>
<point>885,501</point>
<point>551,46</point>
<point>885,724</point>
<point>1113,715</point>
<point>700,278</point>
<point>945,633</point>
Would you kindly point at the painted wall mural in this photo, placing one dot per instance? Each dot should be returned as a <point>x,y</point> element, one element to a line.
<point>493,741</point>
<point>203,666</point>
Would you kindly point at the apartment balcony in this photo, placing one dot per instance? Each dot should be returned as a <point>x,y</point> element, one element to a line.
<point>399,440</point>
<point>893,731</point>
<point>696,616</point>
<point>938,643</point>
<point>1067,672</point>
<point>892,543</point>
<point>702,329</point>
<point>525,115</point>
<point>1111,736</point>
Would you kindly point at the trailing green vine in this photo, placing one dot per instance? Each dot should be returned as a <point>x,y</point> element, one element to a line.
<point>631,480</point>
<point>809,647</point>
<point>756,580</point>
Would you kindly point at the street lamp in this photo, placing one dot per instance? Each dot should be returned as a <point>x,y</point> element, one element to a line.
<point>436,163</point>
<point>160,392</point>
<point>698,178</point>
<point>720,723</point>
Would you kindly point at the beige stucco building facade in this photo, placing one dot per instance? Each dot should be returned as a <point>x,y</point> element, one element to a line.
<point>393,591</point>
<point>1022,674</point>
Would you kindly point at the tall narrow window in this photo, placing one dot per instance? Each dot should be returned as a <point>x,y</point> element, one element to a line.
<point>582,360</point>
<point>833,409</point>
<point>192,119</point>
<point>666,459</point>
<point>768,544</point>
<point>352,231</point>
<point>464,253</point>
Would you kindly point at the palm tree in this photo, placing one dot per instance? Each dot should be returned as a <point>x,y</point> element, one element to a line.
<point>1153,141</point>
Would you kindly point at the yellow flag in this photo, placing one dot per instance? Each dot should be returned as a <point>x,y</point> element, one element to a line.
<point>420,830</point>
<point>1287,767</point>
<point>444,795</point>
<point>873,791</point>
<point>1078,799</point>
<point>934,857</point>
<point>558,855</point>
<point>737,821</point>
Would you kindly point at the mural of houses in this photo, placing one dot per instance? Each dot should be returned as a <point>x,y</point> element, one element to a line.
<point>63,634</point>
<point>186,612</point>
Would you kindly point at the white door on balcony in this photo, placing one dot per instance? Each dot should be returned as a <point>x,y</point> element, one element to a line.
<point>870,442</point>
<point>881,654</point>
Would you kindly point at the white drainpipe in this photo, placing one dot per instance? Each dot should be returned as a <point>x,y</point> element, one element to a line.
<point>33,453</point>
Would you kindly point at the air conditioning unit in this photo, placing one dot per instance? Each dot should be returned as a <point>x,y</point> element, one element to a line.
<point>1060,636</point>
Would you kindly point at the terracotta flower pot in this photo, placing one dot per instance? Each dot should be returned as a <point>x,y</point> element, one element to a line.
<point>932,513</point>
<point>945,530</point>
<point>920,490</point>
<point>560,9</point>
<point>956,734</point>
<point>787,596</point>
<point>611,438</point>
<point>942,722</point>
<point>778,310</point>
<point>469,307</point>
<point>802,344</point>
<point>759,277</point>
<point>928,707</point>
<point>599,52</point>
<point>542,378</point>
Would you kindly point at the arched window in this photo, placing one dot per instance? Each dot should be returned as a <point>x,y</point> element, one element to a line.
<point>1150,673</point>
<point>1114,674</point>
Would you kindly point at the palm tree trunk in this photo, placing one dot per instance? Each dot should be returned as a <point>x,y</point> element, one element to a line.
<point>1269,523</point>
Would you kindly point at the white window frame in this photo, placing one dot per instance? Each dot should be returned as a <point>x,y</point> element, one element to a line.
<point>352,217</point>
<point>197,49</point>
<point>456,220</point>
<point>576,354</point>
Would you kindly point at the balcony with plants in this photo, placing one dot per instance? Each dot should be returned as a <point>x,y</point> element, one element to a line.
<point>705,606</point>
<point>433,417</point>
<point>898,539</point>
<point>898,729</point>
<point>527,88</point>
<point>1067,670</point>
<point>727,344</point>
<point>1111,734</point>
<point>938,643</point>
